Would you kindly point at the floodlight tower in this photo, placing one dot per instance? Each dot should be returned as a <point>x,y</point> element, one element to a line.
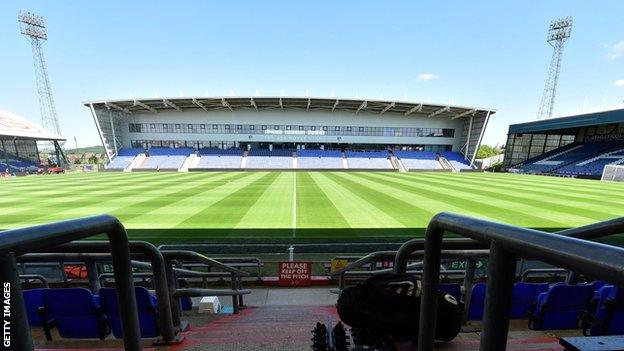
<point>559,32</point>
<point>33,27</point>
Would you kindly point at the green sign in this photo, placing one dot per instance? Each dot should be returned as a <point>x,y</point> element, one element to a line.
<point>481,264</point>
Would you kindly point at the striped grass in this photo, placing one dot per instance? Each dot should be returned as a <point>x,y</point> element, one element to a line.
<point>167,207</point>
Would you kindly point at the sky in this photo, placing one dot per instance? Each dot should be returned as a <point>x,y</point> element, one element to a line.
<point>490,54</point>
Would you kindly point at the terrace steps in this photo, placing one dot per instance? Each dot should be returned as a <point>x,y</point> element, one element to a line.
<point>138,160</point>
<point>258,328</point>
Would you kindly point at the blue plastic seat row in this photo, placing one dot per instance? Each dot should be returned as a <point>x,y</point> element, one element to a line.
<point>77,313</point>
<point>558,307</point>
<point>607,315</point>
<point>523,296</point>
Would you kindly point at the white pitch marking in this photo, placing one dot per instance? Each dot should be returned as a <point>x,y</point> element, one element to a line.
<point>294,206</point>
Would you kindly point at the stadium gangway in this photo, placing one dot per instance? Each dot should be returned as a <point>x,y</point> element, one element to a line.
<point>16,242</point>
<point>507,243</point>
<point>95,250</point>
<point>176,292</point>
<point>28,277</point>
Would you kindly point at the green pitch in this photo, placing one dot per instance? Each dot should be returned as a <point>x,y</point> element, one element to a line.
<point>167,207</point>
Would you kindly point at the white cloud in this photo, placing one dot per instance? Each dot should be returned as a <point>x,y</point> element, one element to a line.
<point>619,83</point>
<point>616,50</point>
<point>425,77</point>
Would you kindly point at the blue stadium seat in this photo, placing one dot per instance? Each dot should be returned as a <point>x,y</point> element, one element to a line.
<point>524,294</point>
<point>186,303</point>
<point>75,313</point>
<point>130,152</point>
<point>608,317</point>
<point>418,159</point>
<point>368,159</point>
<point>33,301</point>
<point>264,158</point>
<point>146,304</point>
<point>120,162</point>
<point>165,151</point>
<point>560,307</point>
<point>319,159</point>
<point>574,159</point>
<point>452,289</point>
<point>267,152</point>
<point>477,302</point>
<point>216,151</point>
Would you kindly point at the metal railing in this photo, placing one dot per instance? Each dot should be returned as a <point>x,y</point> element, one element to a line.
<point>552,272</point>
<point>28,277</point>
<point>16,242</point>
<point>235,262</point>
<point>372,258</point>
<point>507,243</point>
<point>176,292</point>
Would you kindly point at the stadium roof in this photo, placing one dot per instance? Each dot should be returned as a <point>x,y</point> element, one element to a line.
<point>12,125</point>
<point>569,122</point>
<point>208,104</point>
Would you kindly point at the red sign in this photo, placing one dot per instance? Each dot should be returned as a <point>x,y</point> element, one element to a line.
<point>385,264</point>
<point>295,273</point>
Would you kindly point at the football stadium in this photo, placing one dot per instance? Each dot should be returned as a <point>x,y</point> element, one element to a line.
<point>306,223</point>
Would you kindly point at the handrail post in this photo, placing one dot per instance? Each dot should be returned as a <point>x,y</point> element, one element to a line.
<point>128,312</point>
<point>159,281</point>
<point>235,305</point>
<point>501,276</point>
<point>241,303</point>
<point>471,265</point>
<point>430,282</point>
<point>171,284</point>
<point>20,338</point>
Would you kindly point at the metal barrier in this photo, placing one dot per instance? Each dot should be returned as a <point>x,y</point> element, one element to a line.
<point>143,250</point>
<point>506,244</point>
<point>28,277</point>
<point>553,272</point>
<point>183,255</point>
<point>180,273</point>
<point>16,242</point>
<point>236,262</point>
<point>373,257</point>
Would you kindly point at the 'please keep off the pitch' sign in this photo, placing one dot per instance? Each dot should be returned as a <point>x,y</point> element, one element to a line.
<point>295,273</point>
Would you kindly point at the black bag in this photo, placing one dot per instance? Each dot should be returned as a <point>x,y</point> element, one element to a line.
<point>390,304</point>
